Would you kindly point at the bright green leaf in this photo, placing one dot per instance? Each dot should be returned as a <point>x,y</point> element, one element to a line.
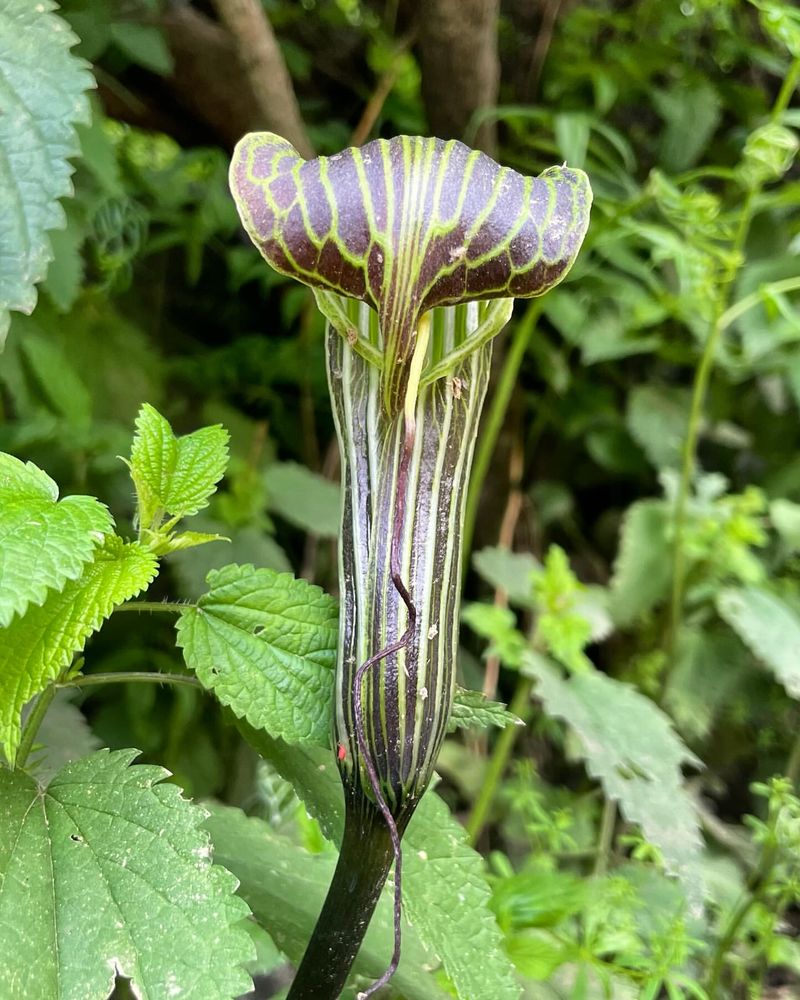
<point>34,649</point>
<point>42,94</point>
<point>769,627</point>
<point>305,499</point>
<point>628,744</point>
<point>105,871</point>
<point>44,542</point>
<point>174,475</point>
<point>265,643</point>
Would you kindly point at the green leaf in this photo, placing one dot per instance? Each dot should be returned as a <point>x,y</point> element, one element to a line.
<point>628,744</point>
<point>473,710</point>
<point>65,273</point>
<point>35,649</point>
<point>446,897</point>
<point>174,475</point>
<point>658,418</point>
<point>785,516</point>
<point>770,629</point>
<point>144,44</point>
<point>42,94</point>
<point>265,644</point>
<point>642,570</point>
<point>285,887</point>
<point>105,871</point>
<point>44,542</point>
<point>304,499</point>
<point>513,572</point>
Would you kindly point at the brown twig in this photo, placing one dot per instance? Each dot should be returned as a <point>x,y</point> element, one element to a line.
<point>383,88</point>
<point>266,71</point>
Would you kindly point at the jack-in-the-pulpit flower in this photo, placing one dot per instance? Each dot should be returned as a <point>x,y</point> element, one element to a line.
<point>415,249</point>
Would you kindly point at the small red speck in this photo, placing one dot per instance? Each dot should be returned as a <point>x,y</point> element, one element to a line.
<point>341,753</point>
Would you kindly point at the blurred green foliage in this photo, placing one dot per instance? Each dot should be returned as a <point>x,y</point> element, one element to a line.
<point>653,427</point>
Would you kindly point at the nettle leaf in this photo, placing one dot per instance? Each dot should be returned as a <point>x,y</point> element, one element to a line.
<point>304,498</point>
<point>106,871</point>
<point>445,893</point>
<point>407,224</point>
<point>35,649</point>
<point>629,744</point>
<point>285,887</point>
<point>770,629</point>
<point>473,710</point>
<point>513,572</point>
<point>43,541</point>
<point>43,95</point>
<point>174,475</point>
<point>642,571</point>
<point>265,644</point>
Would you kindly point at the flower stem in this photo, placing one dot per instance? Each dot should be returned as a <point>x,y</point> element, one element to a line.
<point>365,858</point>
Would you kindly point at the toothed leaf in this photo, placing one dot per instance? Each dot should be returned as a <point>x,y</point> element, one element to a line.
<point>106,871</point>
<point>43,541</point>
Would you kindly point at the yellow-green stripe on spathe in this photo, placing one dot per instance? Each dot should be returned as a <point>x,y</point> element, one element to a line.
<point>407,697</point>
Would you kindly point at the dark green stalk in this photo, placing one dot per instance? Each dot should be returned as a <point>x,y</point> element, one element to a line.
<point>365,858</point>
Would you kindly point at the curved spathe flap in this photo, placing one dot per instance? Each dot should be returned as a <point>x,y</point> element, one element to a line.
<point>407,224</point>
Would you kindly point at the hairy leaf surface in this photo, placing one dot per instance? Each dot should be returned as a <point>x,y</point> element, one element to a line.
<point>629,745</point>
<point>769,627</point>
<point>36,648</point>
<point>265,643</point>
<point>43,541</point>
<point>105,871</point>
<point>42,94</point>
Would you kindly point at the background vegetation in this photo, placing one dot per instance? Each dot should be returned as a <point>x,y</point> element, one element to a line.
<point>635,513</point>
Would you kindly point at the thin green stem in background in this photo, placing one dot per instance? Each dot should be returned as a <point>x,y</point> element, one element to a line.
<point>32,723</point>
<point>130,676</point>
<point>493,422</point>
<point>172,607</point>
<point>605,840</point>
<point>495,769</point>
<point>749,899</point>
